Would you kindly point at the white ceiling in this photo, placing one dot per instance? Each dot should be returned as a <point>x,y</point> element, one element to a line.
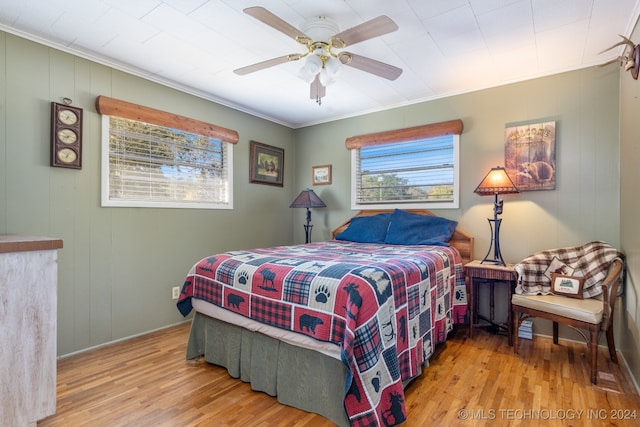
<point>445,47</point>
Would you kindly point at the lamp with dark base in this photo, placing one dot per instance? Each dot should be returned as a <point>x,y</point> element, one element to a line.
<point>308,199</point>
<point>496,182</point>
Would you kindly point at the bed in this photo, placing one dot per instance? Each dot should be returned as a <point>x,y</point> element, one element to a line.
<point>339,327</point>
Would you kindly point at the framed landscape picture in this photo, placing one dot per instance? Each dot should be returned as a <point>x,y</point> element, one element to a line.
<point>266,164</point>
<point>321,174</point>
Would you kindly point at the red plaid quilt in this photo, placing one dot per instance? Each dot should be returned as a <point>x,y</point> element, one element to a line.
<point>386,306</point>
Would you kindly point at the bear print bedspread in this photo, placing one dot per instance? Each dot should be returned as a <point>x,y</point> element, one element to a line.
<point>386,306</point>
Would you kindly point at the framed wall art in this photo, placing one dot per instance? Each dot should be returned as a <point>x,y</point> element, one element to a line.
<point>321,175</point>
<point>266,164</point>
<point>530,155</point>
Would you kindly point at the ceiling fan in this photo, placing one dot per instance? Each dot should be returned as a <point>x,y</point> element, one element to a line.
<point>324,55</point>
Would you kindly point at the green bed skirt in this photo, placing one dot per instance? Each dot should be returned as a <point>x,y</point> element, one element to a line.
<point>301,378</point>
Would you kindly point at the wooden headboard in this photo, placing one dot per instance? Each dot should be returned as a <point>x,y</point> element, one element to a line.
<point>461,240</point>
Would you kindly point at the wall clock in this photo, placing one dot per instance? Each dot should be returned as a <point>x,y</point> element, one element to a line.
<point>66,136</point>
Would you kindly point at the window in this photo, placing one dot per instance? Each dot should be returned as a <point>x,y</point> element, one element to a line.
<point>406,168</point>
<point>147,165</point>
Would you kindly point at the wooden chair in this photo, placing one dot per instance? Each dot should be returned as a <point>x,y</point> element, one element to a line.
<point>592,314</point>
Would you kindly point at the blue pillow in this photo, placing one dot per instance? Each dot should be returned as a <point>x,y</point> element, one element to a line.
<point>366,229</point>
<point>407,228</point>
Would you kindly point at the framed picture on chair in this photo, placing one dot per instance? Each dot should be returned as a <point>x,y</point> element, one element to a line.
<point>569,286</point>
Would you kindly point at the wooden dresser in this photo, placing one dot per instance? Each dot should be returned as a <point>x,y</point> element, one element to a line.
<point>28,319</point>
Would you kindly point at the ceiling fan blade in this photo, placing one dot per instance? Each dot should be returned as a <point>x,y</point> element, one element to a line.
<point>263,15</point>
<point>265,64</point>
<point>367,30</point>
<point>372,66</point>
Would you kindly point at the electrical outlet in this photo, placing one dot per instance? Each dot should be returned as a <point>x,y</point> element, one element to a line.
<point>175,292</point>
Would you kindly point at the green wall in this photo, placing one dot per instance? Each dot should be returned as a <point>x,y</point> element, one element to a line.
<point>118,265</point>
<point>629,213</point>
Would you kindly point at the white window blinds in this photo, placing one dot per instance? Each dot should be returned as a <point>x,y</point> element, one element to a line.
<point>421,171</point>
<point>412,168</point>
<point>155,166</point>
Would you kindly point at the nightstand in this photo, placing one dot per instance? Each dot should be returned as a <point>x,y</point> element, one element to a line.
<point>480,274</point>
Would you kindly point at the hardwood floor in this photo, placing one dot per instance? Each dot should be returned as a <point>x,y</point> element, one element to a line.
<point>146,381</point>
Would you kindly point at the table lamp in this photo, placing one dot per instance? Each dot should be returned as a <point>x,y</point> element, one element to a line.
<point>494,183</point>
<point>307,199</point>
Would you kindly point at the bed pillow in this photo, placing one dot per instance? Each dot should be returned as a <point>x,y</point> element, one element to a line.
<point>366,229</point>
<point>407,228</point>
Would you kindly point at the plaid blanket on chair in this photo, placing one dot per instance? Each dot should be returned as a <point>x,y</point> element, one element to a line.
<point>591,261</point>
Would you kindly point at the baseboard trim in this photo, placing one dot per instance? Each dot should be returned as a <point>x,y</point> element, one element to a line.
<point>626,365</point>
<point>620,355</point>
<point>95,347</point>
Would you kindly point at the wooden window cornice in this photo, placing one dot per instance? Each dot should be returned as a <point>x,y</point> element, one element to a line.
<point>127,110</point>
<point>452,127</point>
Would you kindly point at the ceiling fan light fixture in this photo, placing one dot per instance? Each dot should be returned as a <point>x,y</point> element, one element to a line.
<point>331,70</point>
<point>325,79</point>
<point>312,66</point>
<point>333,66</point>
